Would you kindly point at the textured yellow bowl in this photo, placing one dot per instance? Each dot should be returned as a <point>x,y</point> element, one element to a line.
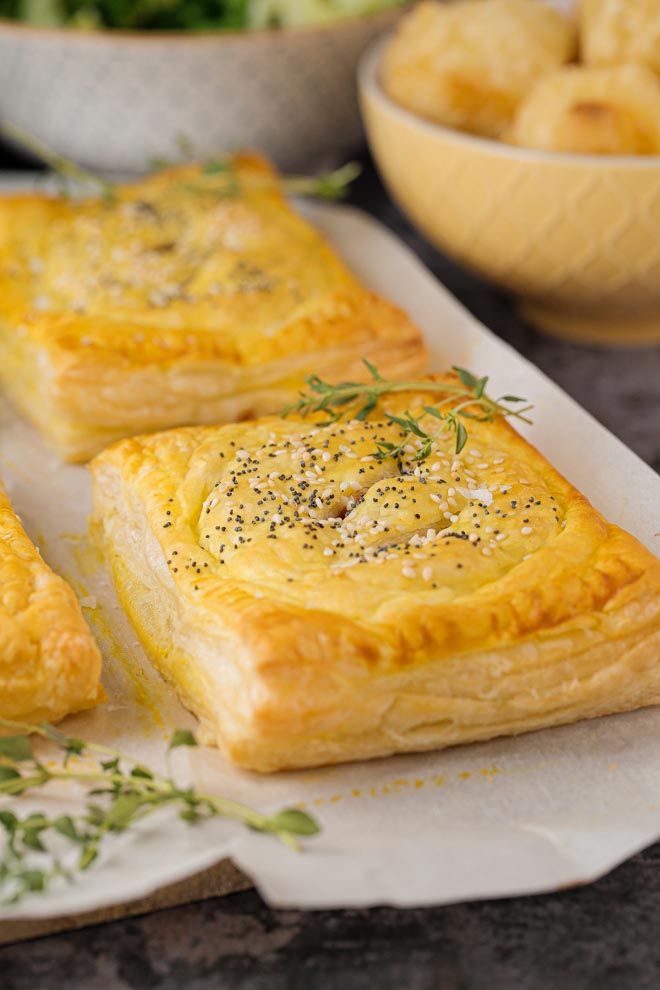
<point>575,237</point>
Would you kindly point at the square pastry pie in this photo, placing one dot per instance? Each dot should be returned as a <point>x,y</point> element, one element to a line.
<point>313,602</point>
<point>194,296</point>
<point>49,663</point>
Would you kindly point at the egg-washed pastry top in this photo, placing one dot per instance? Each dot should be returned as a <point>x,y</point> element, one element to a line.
<point>196,295</point>
<point>49,663</point>
<point>313,603</point>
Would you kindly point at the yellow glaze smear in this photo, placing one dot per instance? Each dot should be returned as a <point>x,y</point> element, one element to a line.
<point>120,664</point>
<point>399,784</point>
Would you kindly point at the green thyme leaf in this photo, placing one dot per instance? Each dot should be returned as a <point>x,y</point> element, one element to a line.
<point>32,841</point>
<point>71,745</point>
<point>295,821</point>
<point>182,737</point>
<point>66,826</point>
<point>16,748</point>
<point>142,772</point>
<point>8,773</point>
<point>87,857</point>
<point>8,820</point>
<point>461,436</point>
<point>466,378</point>
<point>122,811</point>
<point>33,880</point>
<point>118,793</point>
<point>215,167</point>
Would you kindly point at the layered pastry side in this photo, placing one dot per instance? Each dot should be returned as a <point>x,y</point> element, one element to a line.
<point>194,296</point>
<point>313,602</point>
<point>50,665</point>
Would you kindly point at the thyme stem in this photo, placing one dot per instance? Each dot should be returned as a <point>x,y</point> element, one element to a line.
<point>62,166</point>
<point>328,185</point>
<point>120,792</point>
<point>358,400</point>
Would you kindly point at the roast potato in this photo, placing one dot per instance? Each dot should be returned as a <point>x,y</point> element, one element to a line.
<point>611,110</point>
<point>614,31</point>
<point>468,65</point>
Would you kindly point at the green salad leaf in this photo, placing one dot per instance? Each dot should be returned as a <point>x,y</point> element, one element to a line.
<point>185,15</point>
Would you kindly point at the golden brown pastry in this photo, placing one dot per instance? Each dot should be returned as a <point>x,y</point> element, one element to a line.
<point>469,64</point>
<point>49,663</point>
<point>313,603</point>
<point>614,31</point>
<point>195,296</point>
<point>609,111</point>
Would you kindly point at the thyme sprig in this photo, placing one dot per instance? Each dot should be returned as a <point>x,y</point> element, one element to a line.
<point>68,173</point>
<point>332,185</point>
<point>463,400</point>
<point>119,792</point>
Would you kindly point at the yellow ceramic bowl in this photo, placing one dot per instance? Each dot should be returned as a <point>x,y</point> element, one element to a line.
<point>576,238</point>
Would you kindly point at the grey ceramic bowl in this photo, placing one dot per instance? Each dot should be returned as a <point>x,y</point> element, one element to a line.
<point>115,101</point>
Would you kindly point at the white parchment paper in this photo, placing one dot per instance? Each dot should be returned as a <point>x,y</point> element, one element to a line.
<point>508,817</point>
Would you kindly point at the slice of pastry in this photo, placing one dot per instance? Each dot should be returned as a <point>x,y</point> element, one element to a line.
<point>313,602</point>
<point>194,296</point>
<point>49,663</point>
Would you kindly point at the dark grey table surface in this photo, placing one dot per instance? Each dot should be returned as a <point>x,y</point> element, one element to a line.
<point>605,936</point>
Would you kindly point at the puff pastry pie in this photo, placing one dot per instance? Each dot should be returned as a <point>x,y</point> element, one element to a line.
<point>194,296</point>
<point>313,603</point>
<point>49,663</point>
